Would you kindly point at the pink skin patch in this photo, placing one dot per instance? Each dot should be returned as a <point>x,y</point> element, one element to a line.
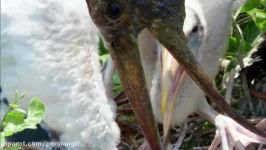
<point>233,135</point>
<point>173,93</point>
<point>178,75</point>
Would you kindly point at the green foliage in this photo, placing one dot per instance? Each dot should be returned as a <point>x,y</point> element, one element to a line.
<point>127,118</point>
<point>2,140</point>
<point>14,147</point>
<point>259,17</point>
<point>102,49</point>
<point>263,2</point>
<point>17,120</point>
<point>117,84</point>
<point>35,112</point>
<point>250,4</point>
<point>104,55</point>
<point>207,125</point>
<point>103,52</point>
<point>249,23</point>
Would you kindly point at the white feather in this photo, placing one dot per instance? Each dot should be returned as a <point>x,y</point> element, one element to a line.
<point>49,50</point>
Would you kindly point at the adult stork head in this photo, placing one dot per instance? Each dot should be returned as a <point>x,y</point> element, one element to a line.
<point>120,22</point>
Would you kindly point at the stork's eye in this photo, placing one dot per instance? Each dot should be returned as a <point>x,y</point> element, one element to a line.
<point>195,29</point>
<point>114,10</point>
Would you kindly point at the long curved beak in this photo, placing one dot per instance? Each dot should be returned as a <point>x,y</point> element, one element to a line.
<point>120,22</point>
<point>132,76</point>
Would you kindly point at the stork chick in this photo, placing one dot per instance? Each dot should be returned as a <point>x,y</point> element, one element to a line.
<point>207,27</point>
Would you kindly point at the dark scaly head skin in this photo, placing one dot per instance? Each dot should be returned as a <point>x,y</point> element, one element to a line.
<point>120,27</point>
<point>120,17</point>
<point>120,21</point>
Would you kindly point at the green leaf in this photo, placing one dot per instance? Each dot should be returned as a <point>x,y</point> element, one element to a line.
<point>251,32</point>
<point>259,17</point>
<point>13,105</point>
<point>14,117</point>
<point>117,89</point>
<point>2,140</point>
<point>19,110</point>
<point>14,147</point>
<point>207,125</point>
<point>245,48</point>
<point>233,44</point>
<point>249,5</point>
<point>116,78</point>
<point>35,112</point>
<point>103,58</point>
<point>10,129</point>
<point>102,48</point>
<point>232,56</point>
<point>233,63</point>
<point>263,2</point>
<point>26,125</point>
<point>15,120</point>
<point>117,86</point>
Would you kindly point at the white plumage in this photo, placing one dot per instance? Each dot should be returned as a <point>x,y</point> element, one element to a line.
<point>49,50</point>
<point>207,26</point>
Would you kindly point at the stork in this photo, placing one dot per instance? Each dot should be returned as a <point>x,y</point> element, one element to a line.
<point>164,19</point>
<point>207,39</point>
<point>59,45</point>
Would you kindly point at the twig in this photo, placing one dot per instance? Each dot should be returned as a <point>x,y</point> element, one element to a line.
<point>243,74</point>
<point>122,101</point>
<point>245,84</point>
<point>259,95</point>
<point>125,145</point>
<point>118,95</point>
<point>125,111</point>
<point>229,87</point>
<point>182,135</point>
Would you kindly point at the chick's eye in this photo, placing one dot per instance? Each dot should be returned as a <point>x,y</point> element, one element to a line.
<point>114,10</point>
